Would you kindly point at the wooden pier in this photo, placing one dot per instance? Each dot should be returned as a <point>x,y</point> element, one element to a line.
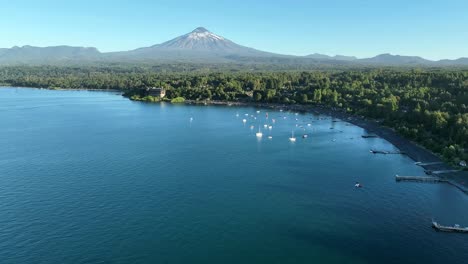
<point>419,163</point>
<point>373,151</point>
<point>440,171</point>
<point>455,228</point>
<point>419,179</point>
<point>431,179</point>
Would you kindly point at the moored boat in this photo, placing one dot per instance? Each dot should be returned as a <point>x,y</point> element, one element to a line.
<point>292,138</point>
<point>259,134</point>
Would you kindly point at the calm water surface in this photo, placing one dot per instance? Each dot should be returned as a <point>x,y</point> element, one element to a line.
<point>91,177</point>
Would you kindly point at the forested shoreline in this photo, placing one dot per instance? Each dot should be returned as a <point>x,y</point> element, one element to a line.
<point>428,106</point>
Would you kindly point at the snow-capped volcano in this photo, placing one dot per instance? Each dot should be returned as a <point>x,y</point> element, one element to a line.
<point>200,39</point>
<point>198,43</point>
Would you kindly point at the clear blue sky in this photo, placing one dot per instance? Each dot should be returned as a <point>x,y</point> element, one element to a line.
<point>364,28</point>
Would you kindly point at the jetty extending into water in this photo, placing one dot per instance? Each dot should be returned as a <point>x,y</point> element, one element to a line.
<point>419,178</point>
<point>455,228</point>
<point>374,151</point>
<point>370,136</point>
<point>437,172</point>
<point>431,179</point>
<point>419,163</point>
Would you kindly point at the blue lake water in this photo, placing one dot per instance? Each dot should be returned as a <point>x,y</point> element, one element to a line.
<point>91,177</point>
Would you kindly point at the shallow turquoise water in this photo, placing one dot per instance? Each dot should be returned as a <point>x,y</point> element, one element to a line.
<point>91,177</point>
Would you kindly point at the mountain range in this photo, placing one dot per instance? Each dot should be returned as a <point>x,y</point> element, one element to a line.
<point>200,45</point>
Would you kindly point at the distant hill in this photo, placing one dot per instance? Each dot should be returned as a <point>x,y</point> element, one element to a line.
<point>396,60</point>
<point>460,61</point>
<point>199,46</point>
<point>30,54</point>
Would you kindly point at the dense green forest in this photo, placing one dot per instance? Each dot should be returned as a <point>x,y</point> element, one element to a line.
<point>429,106</point>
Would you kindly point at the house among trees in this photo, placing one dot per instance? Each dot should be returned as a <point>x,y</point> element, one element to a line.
<point>156,92</point>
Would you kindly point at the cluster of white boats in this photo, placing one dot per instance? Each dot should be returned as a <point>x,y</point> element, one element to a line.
<point>259,134</point>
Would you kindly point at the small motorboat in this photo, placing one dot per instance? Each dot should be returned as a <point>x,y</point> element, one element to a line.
<point>305,136</point>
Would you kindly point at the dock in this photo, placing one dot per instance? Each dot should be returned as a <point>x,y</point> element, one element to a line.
<point>440,171</point>
<point>419,179</point>
<point>419,163</point>
<point>373,151</point>
<point>455,228</point>
<point>431,179</point>
<point>370,136</point>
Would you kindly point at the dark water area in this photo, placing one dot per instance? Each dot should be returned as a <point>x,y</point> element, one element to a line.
<point>91,177</point>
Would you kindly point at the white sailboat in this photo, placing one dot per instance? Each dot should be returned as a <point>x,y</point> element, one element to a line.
<point>292,138</point>
<point>259,134</point>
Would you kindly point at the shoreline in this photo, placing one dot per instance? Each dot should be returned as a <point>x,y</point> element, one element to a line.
<point>411,149</point>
